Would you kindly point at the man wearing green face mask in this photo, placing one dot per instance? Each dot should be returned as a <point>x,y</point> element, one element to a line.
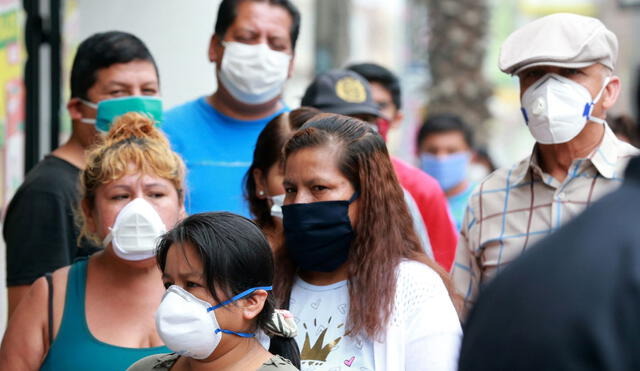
<point>39,227</point>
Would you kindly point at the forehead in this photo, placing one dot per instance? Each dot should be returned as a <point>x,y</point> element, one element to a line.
<point>445,138</point>
<point>264,17</point>
<point>379,92</point>
<point>313,161</point>
<point>134,72</point>
<point>183,257</point>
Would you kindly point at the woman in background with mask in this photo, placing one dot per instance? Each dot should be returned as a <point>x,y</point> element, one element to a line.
<point>97,314</point>
<point>263,181</point>
<point>218,271</point>
<point>355,275</point>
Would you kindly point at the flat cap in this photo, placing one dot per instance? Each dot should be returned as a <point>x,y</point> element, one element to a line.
<point>562,40</point>
<point>340,91</point>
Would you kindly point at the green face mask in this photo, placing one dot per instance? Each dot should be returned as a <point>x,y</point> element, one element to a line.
<point>110,109</point>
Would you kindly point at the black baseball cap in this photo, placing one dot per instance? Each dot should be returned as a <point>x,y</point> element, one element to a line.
<point>341,91</point>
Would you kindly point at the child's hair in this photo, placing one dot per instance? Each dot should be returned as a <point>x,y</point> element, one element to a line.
<point>132,139</point>
<point>235,257</point>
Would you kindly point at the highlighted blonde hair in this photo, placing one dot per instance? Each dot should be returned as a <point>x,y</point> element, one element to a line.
<point>132,140</point>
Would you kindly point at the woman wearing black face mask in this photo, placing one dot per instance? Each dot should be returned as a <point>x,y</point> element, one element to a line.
<point>353,272</point>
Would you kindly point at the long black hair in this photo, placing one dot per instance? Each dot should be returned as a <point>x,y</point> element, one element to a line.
<point>235,257</point>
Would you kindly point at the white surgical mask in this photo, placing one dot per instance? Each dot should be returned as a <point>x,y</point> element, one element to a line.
<point>188,325</point>
<point>136,231</point>
<point>276,208</point>
<point>253,74</point>
<point>556,109</point>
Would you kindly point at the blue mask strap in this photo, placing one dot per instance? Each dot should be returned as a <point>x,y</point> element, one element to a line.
<point>239,296</point>
<point>241,334</point>
<point>354,197</point>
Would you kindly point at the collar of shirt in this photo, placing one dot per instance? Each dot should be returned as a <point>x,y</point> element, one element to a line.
<point>604,158</point>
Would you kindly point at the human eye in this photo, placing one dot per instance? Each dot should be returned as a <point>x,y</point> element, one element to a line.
<point>157,194</point>
<point>288,188</point>
<point>120,196</point>
<point>319,188</point>
<point>191,284</point>
<point>150,91</point>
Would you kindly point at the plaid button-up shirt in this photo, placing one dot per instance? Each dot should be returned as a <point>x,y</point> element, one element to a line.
<point>514,207</point>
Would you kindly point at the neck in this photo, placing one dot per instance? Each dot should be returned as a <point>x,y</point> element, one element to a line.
<point>456,190</point>
<point>73,152</point>
<point>326,278</point>
<point>244,354</point>
<point>556,159</point>
<point>226,104</point>
<point>126,272</point>
<point>275,234</point>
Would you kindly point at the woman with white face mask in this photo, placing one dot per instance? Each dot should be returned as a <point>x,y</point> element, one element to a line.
<point>263,181</point>
<point>218,271</point>
<point>97,314</point>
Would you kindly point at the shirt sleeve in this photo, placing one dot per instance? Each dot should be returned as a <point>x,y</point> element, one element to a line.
<point>440,226</point>
<point>432,327</point>
<point>39,235</point>
<point>466,269</point>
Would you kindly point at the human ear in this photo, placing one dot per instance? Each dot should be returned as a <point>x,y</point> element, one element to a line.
<point>215,49</point>
<point>73,107</point>
<point>611,93</point>
<point>253,305</point>
<point>397,119</point>
<point>88,216</point>
<point>292,65</point>
<point>261,186</point>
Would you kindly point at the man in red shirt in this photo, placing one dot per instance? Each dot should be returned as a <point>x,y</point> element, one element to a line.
<point>378,102</point>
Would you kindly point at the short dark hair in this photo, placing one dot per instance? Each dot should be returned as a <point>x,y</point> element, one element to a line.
<point>101,50</point>
<point>227,13</point>
<point>268,151</point>
<point>235,257</point>
<point>376,73</point>
<point>443,122</point>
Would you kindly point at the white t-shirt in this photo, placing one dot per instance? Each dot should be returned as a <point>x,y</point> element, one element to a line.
<point>423,332</point>
<point>320,314</point>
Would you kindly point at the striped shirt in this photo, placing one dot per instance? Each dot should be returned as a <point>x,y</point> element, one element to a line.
<point>514,207</point>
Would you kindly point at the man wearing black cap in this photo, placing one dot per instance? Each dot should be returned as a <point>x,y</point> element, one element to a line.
<point>564,63</point>
<point>346,92</point>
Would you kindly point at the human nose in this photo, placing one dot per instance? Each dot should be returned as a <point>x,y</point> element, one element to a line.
<point>302,198</point>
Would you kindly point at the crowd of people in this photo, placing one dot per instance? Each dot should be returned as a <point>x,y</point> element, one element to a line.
<point>235,233</point>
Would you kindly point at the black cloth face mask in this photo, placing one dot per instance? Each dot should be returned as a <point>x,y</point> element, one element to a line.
<point>318,235</point>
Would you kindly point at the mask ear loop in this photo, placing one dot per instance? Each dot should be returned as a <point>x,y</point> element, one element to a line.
<point>589,106</point>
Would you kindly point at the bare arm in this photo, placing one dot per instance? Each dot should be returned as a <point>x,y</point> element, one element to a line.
<point>15,293</point>
<point>25,342</point>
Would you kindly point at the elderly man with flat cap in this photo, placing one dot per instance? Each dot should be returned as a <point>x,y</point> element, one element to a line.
<point>565,65</point>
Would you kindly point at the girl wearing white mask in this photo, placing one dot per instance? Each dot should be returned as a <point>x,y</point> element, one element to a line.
<point>97,314</point>
<point>218,271</point>
<point>263,181</point>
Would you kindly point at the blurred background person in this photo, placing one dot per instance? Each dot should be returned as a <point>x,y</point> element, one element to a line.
<point>252,48</point>
<point>113,73</point>
<point>481,165</point>
<point>97,314</point>
<point>263,181</point>
<point>346,92</point>
<point>445,145</point>
<point>354,274</point>
<point>566,89</point>
<point>218,271</point>
<point>385,92</point>
<point>625,129</point>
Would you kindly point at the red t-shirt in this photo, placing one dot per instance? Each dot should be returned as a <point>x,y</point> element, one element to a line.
<point>434,209</point>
